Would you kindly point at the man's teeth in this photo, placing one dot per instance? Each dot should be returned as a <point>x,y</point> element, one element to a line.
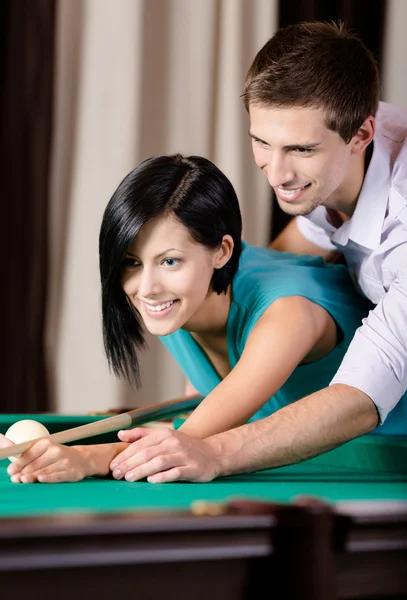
<point>159,307</point>
<point>291,192</point>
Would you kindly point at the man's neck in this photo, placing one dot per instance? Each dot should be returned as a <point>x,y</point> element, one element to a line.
<point>344,200</point>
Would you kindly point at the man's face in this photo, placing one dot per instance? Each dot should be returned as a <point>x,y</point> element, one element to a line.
<point>306,163</point>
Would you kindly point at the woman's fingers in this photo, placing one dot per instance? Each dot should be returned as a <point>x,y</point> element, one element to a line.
<point>4,442</point>
<point>52,474</point>
<point>48,462</point>
<point>26,459</point>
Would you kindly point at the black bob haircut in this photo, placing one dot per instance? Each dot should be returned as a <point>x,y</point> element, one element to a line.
<point>199,196</point>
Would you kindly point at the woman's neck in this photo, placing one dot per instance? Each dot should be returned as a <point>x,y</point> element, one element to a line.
<point>210,328</point>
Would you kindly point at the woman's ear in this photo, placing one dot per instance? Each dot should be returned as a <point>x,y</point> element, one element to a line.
<point>224,252</point>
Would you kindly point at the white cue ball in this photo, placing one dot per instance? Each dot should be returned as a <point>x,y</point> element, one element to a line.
<point>25,430</point>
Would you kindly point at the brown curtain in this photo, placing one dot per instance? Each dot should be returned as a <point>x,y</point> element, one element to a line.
<point>364,17</point>
<point>26,63</point>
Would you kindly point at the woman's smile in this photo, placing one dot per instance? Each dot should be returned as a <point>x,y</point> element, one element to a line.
<point>159,310</point>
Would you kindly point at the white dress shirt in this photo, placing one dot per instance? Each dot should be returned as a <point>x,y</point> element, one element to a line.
<point>374,243</point>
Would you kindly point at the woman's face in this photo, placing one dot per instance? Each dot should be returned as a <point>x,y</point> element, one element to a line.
<point>167,276</point>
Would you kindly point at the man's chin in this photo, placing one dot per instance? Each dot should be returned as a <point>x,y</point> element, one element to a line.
<point>296,210</point>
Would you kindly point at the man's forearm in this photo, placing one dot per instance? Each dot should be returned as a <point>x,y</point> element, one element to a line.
<point>297,432</point>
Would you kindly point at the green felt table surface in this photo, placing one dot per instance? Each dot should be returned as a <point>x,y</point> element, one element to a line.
<point>369,468</point>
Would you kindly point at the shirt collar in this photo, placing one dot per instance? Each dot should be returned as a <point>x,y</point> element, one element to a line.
<point>366,224</point>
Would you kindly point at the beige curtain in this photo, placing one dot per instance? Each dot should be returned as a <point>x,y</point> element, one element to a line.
<point>136,78</point>
<point>394,81</point>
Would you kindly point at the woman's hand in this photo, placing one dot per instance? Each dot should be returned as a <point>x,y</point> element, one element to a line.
<point>47,462</point>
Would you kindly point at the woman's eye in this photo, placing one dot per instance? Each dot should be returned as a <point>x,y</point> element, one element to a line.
<point>170,262</point>
<point>130,262</point>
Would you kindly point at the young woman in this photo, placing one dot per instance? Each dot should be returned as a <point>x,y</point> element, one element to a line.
<point>253,329</point>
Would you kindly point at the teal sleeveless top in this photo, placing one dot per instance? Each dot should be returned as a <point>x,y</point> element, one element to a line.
<point>264,276</point>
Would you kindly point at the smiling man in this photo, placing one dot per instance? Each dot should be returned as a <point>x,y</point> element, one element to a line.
<point>337,161</point>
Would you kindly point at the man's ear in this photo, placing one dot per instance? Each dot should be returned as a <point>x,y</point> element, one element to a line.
<point>224,252</point>
<point>363,136</point>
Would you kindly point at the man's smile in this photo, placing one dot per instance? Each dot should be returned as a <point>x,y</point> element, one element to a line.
<point>290,194</point>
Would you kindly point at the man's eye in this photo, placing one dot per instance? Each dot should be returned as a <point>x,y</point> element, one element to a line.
<point>171,262</point>
<point>130,262</point>
<point>261,143</point>
<point>303,151</point>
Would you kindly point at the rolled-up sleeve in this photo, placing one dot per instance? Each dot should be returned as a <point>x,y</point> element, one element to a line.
<point>376,360</point>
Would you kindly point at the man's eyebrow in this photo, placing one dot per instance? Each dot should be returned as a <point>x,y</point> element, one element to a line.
<point>309,145</point>
<point>257,139</point>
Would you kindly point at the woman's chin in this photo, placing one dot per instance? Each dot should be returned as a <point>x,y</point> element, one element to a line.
<point>161,329</point>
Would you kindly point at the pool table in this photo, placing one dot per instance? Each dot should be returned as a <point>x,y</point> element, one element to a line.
<point>328,528</point>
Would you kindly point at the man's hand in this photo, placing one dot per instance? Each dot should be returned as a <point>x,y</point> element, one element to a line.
<point>46,462</point>
<point>299,431</point>
<point>163,455</point>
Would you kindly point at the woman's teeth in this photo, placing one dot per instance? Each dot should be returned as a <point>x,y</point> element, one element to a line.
<point>159,307</point>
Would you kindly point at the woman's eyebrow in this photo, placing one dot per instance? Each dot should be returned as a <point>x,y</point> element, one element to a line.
<point>169,250</point>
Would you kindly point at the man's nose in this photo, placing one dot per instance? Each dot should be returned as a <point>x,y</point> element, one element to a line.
<point>279,170</point>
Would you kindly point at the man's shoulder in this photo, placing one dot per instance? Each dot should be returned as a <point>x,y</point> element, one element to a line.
<point>391,155</point>
<point>392,127</point>
<point>391,121</point>
<point>391,134</point>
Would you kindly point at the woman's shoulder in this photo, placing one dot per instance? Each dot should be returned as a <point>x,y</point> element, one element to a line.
<point>266,274</point>
<point>263,268</point>
<point>257,256</point>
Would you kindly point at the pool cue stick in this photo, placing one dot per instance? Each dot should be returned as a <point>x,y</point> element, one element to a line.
<point>122,421</point>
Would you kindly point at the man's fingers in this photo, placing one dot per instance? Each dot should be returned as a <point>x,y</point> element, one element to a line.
<point>28,478</point>
<point>134,460</point>
<point>130,435</point>
<point>133,435</point>
<point>175,474</point>
<point>158,464</point>
<point>161,452</point>
<point>139,439</point>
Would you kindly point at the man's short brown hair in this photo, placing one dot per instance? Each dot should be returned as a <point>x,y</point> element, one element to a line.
<point>319,65</point>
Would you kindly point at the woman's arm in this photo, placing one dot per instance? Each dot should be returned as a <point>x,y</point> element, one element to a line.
<point>189,390</point>
<point>292,329</point>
